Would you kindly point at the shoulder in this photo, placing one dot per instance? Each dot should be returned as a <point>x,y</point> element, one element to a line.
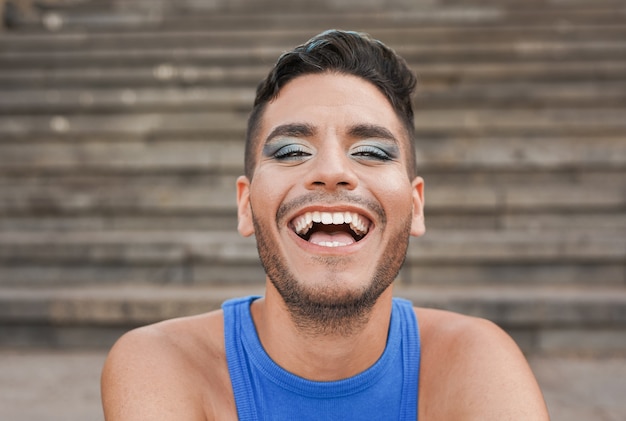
<point>472,369</point>
<point>165,371</point>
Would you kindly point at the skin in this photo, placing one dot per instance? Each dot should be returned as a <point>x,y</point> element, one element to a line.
<point>470,369</point>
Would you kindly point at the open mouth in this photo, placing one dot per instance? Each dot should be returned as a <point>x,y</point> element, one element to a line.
<point>331,229</point>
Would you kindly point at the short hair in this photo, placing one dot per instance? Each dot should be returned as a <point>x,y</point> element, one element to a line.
<point>342,52</point>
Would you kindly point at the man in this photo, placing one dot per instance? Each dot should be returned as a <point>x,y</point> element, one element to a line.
<point>332,196</point>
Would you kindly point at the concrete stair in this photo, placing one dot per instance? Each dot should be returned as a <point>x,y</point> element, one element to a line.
<point>121,135</point>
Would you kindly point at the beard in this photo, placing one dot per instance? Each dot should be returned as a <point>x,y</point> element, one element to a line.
<point>327,308</point>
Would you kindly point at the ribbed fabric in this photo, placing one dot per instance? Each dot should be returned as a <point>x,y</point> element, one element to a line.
<point>387,390</point>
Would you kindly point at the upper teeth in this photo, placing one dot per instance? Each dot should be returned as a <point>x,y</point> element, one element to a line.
<point>358,224</point>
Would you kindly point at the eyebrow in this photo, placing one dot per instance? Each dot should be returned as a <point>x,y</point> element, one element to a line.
<point>364,131</point>
<point>291,130</point>
<point>360,131</point>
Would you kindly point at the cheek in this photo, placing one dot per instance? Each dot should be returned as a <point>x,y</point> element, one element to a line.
<point>393,190</point>
<point>266,194</point>
<point>262,201</point>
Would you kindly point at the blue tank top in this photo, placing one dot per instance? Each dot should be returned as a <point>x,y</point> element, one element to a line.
<point>263,390</point>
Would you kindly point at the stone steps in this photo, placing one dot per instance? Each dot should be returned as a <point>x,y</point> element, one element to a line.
<point>456,218</point>
<point>131,154</point>
<point>398,32</point>
<point>500,200</point>
<point>126,100</point>
<point>224,258</point>
<point>273,14</point>
<point>543,320</point>
<point>551,52</point>
<point>73,193</point>
<point>194,75</point>
<point>551,121</point>
<point>121,128</point>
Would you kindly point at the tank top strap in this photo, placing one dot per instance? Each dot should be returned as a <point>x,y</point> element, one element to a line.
<point>236,358</point>
<point>411,350</point>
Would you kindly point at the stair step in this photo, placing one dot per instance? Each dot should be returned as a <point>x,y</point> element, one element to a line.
<point>192,193</point>
<point>553,121</point>
<point>541,319</point>
<point>386,28</point>
<point>451,219</point>
<point>140,305</point>
<point>199,258</point>
<point>171,75</point>
<point>512,95</point>
<point>203,221</point>
<point>131,100</point>
<point>186,154</point>
<point>163,74</point>
<point>549,51</point>
<point>279,14</point>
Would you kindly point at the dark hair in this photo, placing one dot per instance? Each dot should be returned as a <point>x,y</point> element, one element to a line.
<point>343,52</point>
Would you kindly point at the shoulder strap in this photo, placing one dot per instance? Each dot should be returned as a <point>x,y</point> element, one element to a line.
<point>411,358</point>
<point>236,359</point>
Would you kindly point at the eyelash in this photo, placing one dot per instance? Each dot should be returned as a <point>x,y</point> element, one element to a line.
<point>372,152</point>
<point>290,152</point>
<point>294,152</point>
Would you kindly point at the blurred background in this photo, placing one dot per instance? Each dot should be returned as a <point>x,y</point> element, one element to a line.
<point>122,128</point>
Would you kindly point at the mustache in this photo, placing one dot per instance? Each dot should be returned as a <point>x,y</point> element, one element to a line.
<point>317,198</point>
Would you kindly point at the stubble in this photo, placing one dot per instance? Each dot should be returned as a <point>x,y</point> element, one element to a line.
<point>328,308</point>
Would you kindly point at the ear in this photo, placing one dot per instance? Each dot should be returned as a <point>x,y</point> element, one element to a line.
<point>418,227</point>
<point>244,211</point>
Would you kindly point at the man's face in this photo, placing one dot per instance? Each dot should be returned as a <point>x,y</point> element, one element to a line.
<point>330,202</point>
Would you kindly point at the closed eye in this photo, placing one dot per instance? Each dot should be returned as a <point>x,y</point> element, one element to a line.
<point>371,153</point>
<point>291,152</point>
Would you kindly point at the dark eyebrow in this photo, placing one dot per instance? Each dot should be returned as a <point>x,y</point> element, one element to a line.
<point>364,131</point>
<point>291,130</point>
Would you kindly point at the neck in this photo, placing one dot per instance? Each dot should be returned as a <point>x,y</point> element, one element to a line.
<point>318,353</point>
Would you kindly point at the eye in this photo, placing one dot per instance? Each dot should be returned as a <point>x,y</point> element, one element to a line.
<point>291,152</point>
<point>371,153</point>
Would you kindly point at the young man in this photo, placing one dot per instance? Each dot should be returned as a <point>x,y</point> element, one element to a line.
<point>332,196</point>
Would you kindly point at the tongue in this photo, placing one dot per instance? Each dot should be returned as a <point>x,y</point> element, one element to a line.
<point>323,238</point>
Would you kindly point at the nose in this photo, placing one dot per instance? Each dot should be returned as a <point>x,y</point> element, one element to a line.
<point>331,169</point>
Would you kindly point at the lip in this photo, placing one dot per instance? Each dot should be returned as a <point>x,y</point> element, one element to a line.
<point>339,250</point>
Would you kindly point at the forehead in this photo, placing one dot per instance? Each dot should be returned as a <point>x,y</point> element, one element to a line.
<point>330,101</point>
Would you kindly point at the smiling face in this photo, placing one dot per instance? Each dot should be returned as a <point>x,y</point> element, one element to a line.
<point>330,202</point>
